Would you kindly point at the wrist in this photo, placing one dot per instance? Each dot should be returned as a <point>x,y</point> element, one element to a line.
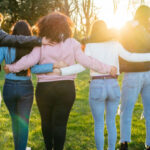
<point>109,69</point>
<point>55,66</point>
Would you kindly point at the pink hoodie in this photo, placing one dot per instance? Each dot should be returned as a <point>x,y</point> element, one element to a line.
<point>69,51</point>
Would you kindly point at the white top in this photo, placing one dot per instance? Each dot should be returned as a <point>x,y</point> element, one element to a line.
<point>108,53</point>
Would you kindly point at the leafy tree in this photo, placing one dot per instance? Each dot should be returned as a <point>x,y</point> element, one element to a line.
<point>82,12</point>
<point>29,10</point>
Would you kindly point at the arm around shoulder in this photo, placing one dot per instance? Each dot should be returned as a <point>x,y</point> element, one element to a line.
<point>18,41</point>
<point>88,61</point>
<point>73,69</point>
<point>132,57</point>
<point>26,61</point>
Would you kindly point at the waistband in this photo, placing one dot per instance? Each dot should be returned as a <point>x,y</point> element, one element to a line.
<point>104,77</point>
<point>56,82</point>
<point>24,82</point>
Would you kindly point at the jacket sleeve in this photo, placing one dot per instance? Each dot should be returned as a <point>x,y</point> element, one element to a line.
<point>126,66</point>
<point>132,57</point>
<point>26,61</point>
<point>135,39</point>
<point>19,40</point>
<point>73,69</point>
<point>42,68</point>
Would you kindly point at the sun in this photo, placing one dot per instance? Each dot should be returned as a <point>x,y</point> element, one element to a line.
<point>113,20</point>
<point>118,20</point>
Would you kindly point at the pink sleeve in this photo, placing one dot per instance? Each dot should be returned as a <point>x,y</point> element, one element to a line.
<point>88,61</point>
<point>26,61</point>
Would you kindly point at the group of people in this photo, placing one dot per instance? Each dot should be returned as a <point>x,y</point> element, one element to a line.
<point>54,59</point>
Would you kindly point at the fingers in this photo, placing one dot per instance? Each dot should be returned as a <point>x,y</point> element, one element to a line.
<point>60,64</point>
<point>6,69</point>
<point>46,41</point>
<point>113,71</point>
<point>52,43</point>
<point>55,72</point>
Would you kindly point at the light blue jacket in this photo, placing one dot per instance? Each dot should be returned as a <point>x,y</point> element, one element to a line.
<point>9,57</point>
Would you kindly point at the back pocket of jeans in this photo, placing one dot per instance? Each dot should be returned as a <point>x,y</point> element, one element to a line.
<point>97,93</point>
<point>114,94</point>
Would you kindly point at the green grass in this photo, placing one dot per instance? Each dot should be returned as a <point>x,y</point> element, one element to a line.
<point>80,129</point>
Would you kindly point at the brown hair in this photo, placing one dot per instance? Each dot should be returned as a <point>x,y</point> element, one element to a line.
<point>1,18</point>
<point>56,26</point>
<point>100,32</point>
<point>142,15</point>
<point>22,27</point>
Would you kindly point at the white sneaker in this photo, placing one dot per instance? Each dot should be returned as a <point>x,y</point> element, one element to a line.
<point>142,116</point>
<point>119,110</point>
<point>28,148</point>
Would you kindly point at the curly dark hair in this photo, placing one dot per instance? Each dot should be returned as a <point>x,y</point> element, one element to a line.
<point>55,26</point>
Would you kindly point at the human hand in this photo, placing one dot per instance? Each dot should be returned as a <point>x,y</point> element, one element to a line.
<point>113,71</point>
<point>55,72</point>
<point>60,64</point>
<point>6,69</point>
<point>46,41</point>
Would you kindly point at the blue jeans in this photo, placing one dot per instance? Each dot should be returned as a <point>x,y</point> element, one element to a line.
<point>18,97</point>
<point>104,94</point>
<point>133,84</point>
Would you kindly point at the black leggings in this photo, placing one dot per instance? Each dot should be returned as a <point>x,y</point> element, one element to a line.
<point>55,100</point>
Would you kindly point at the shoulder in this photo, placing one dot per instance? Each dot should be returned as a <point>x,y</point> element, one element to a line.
<point>37,48</point>
<point>72,42</point>
<point>132,27</point>
<point>115,45</point>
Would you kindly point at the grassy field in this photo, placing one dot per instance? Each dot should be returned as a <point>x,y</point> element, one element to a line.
<point>80,130</point>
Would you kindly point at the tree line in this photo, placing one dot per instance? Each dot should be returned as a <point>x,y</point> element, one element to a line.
<point>82,12</point>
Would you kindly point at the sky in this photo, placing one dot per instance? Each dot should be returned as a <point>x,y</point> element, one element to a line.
<point>117,20</point>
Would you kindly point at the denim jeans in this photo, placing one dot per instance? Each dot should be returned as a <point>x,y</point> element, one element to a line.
<point>133,84</point>
<point>104,95</point>
<point>18,97</point>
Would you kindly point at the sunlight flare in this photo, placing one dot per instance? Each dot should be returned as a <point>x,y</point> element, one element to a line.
<point>113,19</point>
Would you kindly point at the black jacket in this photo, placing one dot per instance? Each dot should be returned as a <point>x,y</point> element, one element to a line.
<point>18,41</point>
